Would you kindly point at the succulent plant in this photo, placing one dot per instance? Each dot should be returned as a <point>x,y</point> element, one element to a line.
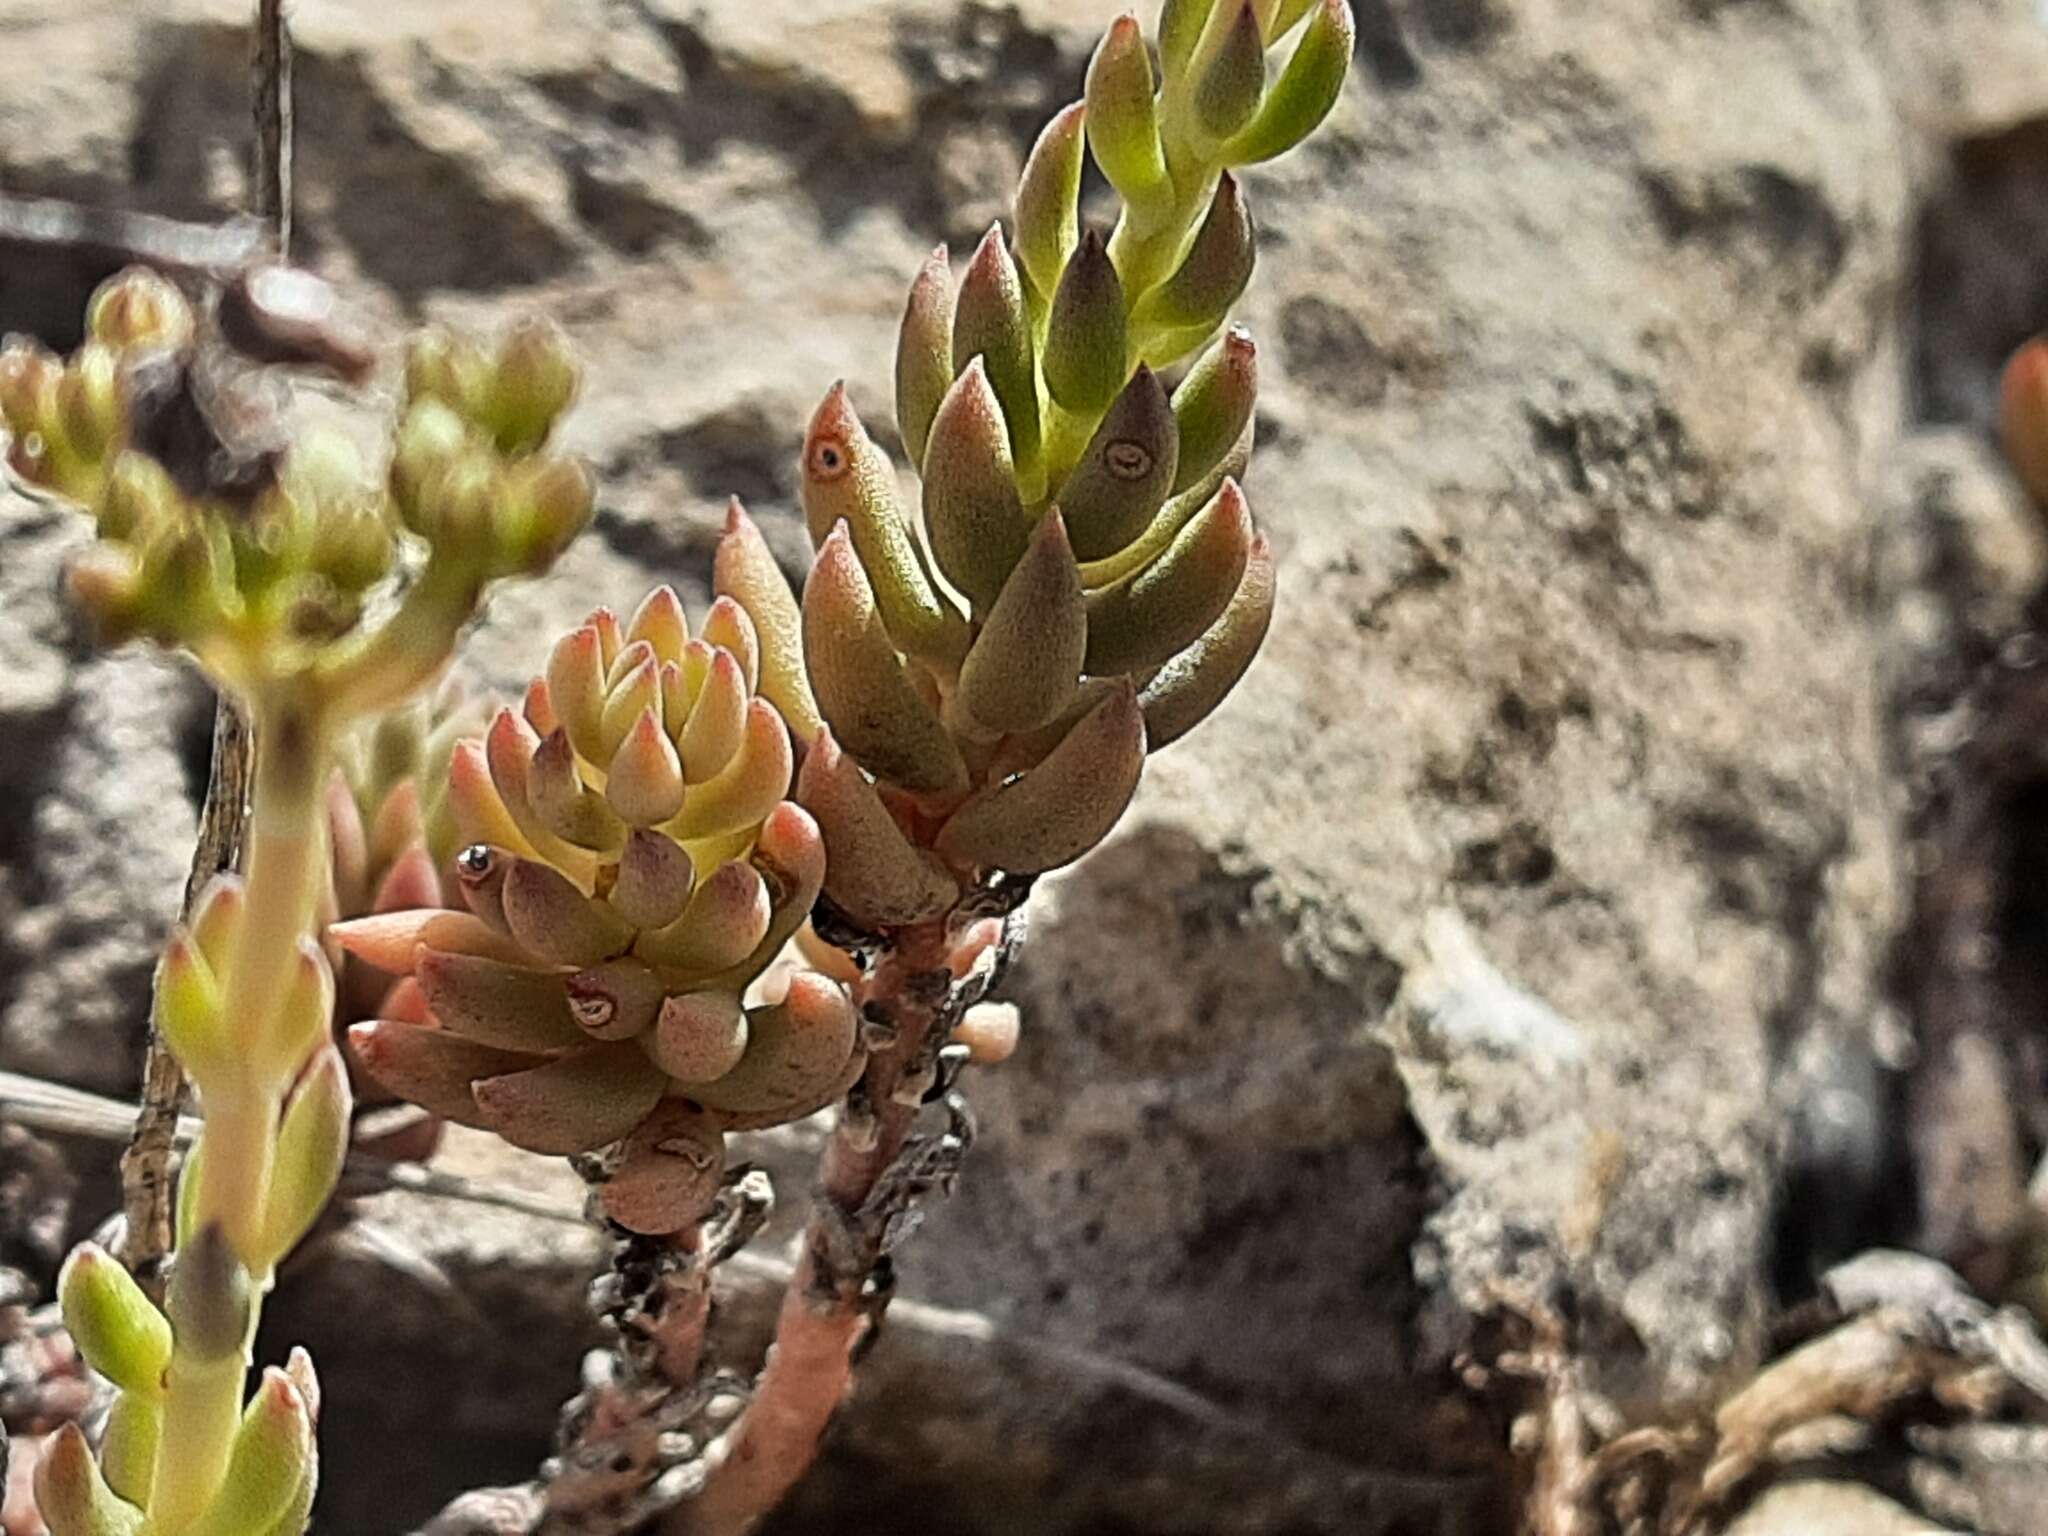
<point>317,592</point>
<point>632,869</point>
<point>980,685</point>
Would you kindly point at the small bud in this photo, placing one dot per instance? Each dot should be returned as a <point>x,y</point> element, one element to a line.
<point>546,500</point>
<point>727,917</point>
<point>1084,342</point>
<point>105,582</point>
<point>1123,475</point>
<point>644,783</point>
<point>217,920</point>
<point>795,1049</point>
<point>748,787</point>
<point>271,1460</point>
<point>187,1010</point>
<point>990,322</point>
<point>71,1495</point>
<point>990,1032</point>
<point>1024,665</point>
<point>210,1298</point>
<point>1145,620</point>
<point>1210,277</point>
<point>972,511</point>
<point>575,1103</point>
<point>872,871</point>
<point>431,1067</point>
<point>1063,807</point>
<point>139,496</point>
<point>1123,121</point>
<point>616,1000</point>
<point>1214,404</point>
<point>431,438</point>
<point>508,1006</point>
<point>669,1172</point>
<point>699,1036</point>
<point>1048,199</point>
<point>312,1141</point>
<point>1306,90</point>
<point>440,365</point>
<point>924,352</point>
<point>655,880</point>
<point>745,571</point>
<point>1235,77</point>
<point>557,922</point>
<point>717,721</point>
<point>89,405</point>
<point>861,686</point>
<point>139,308</point>
<point>113,1322</point>
<point>1184,692</point>
<point>846,478</point>
<point>531,384</point>
<point>352,546</point>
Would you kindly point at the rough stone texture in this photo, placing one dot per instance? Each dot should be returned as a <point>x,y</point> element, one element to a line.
<point>1522,924</point>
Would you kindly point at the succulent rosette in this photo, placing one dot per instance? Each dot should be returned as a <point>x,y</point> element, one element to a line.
<point>631,869</point>
<point>1080,581</point>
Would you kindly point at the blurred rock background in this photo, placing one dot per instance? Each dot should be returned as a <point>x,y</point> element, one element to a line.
<point>1524,926</point>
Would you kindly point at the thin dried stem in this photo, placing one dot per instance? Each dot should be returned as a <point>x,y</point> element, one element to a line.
<point>146,1194</point>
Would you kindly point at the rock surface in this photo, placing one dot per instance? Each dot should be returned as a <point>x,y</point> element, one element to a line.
<point>1521,926</point>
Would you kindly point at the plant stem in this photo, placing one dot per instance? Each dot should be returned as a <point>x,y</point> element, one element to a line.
<point>287,851</point>
<point>824,1312</point>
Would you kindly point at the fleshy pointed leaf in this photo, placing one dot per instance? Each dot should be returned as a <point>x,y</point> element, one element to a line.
<point>128,1449</point>
<point>661,622</point>
<point>794,1048</point>
<point>990,321</point>
<point>1211,275</point>
<point>924,352</point>
<point>698,1036</point>
<point>1183,693</point>
<point>1026,662</point>
<point>1234,76</point>
<point>1123,120</point>
<point>1145,620</point>
<point>669,1172</point>
<point>972,509</point>
<point>389,940</point>
<point>722,925</point>
<point>644,784</point>
<point>1048,199</point>
<point>862,689</point>
<point>745,571</point>
<point>511,1007</point>
<point>71,1495</point>
<point>1307,89</point>
<point>431,1067</point>
<point>573,1104</point>
<point>717,722</point>
<point>312,1142</point>
<point>271,1458</point>
<point>1085,353</point>
<point>846,478</point>
<point>563,803</point>
<point>872,872</point>
<point>1123,476</point>
<point>1214,404</point>
<point>1180,28</point>
<point>113,1322</point>
<point>654,882</point>
<point>748,787</point>
<point>556,922</point>
<point>1063,807</point>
